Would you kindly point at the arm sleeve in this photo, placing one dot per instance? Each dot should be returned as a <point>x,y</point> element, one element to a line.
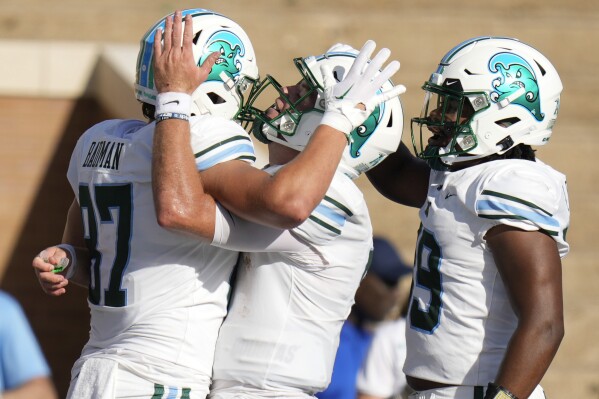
<point>529,199</point>
<point>216,140</point>
<point>21,357</point>
<point>234,233</point>
<point>329,218</point>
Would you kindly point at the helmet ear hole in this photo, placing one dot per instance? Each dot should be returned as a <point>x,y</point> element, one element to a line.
<point>215,98</point>
<point>336,75</point>
<point>540,68</point>
<point>197,37</point>
<point>390,121</point>
<point>507,122</point>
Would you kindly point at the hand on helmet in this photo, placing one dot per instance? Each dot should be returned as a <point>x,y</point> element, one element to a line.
<point>175,69</point>
<point>348,103</point>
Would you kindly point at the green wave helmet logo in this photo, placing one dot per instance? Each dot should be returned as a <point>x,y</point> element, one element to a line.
<point>231,49</point>
<point>362,133</point>
<point>516,73</point>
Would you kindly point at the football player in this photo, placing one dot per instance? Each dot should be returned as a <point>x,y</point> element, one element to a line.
<point>157,297</point>
<point>486,312</point>
<point>294,287</point>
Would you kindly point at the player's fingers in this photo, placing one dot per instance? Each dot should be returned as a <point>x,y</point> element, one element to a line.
<point>168,32</point>
<point>49,278</point>
<point>58,292</point>
<point>188,31</point>
<point>375,65</point>
<point>187,50</point>
<point>386,73</point>
<point>361,59</point>
<point>207,65</point>
<point>328,79</point>
<point>54,291</point>
<point>41,265</point>
<point>52,284</point>
<point>384,96</point>
<point>56,286</point>
<point>158,43</point>
<point>177,29</point>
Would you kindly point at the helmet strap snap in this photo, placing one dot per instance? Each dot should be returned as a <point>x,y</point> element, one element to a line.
<point>506,143</point>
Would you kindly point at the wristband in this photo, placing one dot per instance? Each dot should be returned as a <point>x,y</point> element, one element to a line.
<point>171,115</point>
<point>173,102</point>
<point>498,392</point>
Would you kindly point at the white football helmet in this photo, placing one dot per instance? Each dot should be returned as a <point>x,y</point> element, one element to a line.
<point>371,142</point>
<point>498,93</point>
<point>236,69</point>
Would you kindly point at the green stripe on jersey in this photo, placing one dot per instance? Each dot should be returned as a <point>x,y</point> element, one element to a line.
<point>515,199</point>
<point>517,217</point>
<point>234,138</point>
<point>339,205</point>
<point>324,224</point>
<point>253,159</point>
<point>158,391</point>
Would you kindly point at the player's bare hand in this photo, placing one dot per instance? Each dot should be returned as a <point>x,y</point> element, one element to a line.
<point>44,264</point>
<point>175,68</point>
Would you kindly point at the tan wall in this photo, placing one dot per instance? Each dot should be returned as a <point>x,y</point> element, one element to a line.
<point>38,134</point>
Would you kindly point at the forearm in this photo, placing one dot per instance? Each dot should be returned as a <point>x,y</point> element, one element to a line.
<point>287,198</point>
<point>179,197</point>
<point>528,357</point>
<point>530,267</point>
<point>401,177</point>
<point>302,183</point>
<point>73,235</point>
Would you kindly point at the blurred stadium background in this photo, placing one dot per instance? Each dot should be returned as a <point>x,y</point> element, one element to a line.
<point>66,64</point>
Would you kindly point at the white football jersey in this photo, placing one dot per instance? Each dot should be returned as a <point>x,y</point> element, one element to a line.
<point>157,297</point>
<point>460,319</point>
<point>282,331</point>
<point>382,375</point>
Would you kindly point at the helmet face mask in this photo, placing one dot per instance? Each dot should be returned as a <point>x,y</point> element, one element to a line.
<point>222,93</point>
<point>487,95</point>
<point>446,117</point>
<point>301,102</point>
<point>298,104</point>
<point>304,106</point>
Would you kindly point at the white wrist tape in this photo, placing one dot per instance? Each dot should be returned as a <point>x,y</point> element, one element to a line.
<point>73,255</point>
<point>173,103</point>
<point>338,121</point>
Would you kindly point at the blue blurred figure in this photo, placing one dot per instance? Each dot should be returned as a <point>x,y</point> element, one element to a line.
<point>24,373</point>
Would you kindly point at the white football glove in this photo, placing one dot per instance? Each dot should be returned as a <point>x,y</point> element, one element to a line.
<point>344,100</point>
